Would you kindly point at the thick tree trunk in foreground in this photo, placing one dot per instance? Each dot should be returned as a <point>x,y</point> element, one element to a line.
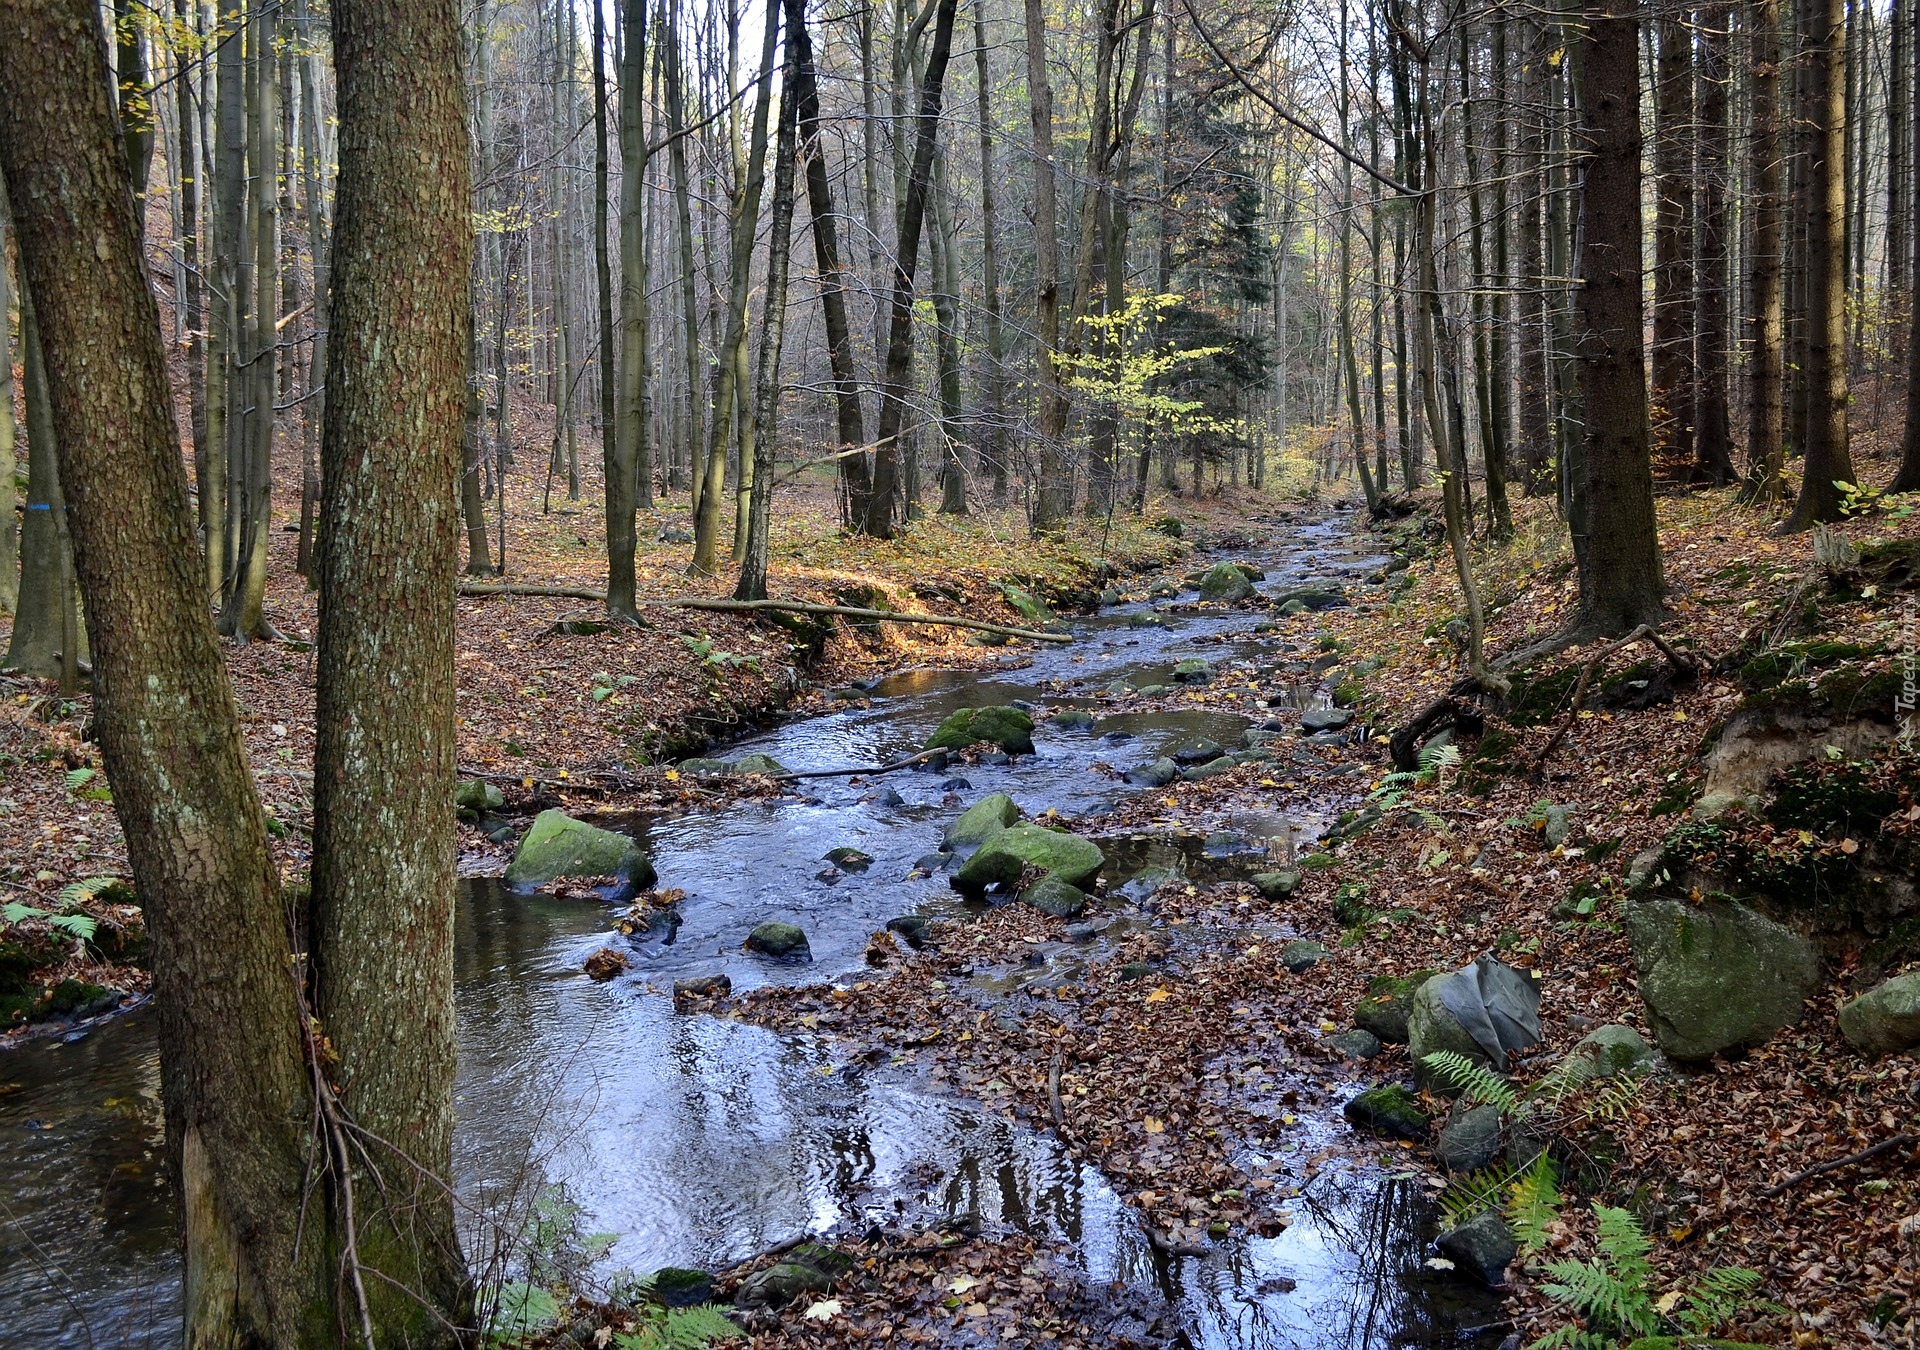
<point>1621,585</point>
<point>1823,212</point>
<point>383,878</point>
<point>233,1077</point>
<point>9,532</point>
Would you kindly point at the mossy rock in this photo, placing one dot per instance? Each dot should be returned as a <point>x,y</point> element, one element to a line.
<point>782,941</point>
<point>560,846</point>
<point>1054,897</point>
<point>849,859</point>
<point>1885,1019</point>
<point>1387,1003</point>
<point>680,1287</point>
<point>1072,719</point>
<point>981,821</point>
<point>1794,660</point>
<point>476,795</point>
<point>1301,955</point>
<point>760,764</point>
<point>1537,697</point>
<point>1006,856</point>
<point>1717,976</point>
<point>1432,1029</point>
<point>79,998</point>
<point>1389,1110</point>
<point>1027,605</point>
<point>1001,725</point>
<point>1225,583</point>
<point>1275,885</point>
<point>1193,670</point>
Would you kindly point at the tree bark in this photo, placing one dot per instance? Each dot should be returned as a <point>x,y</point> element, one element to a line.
<point>1766,293</point>
<point>44,599</point>
<point>1823,209</point>
<point>636,448</point>
<point>1671,412</point>
<point>993,441</point>
<point>383,878</point>
<point>9,465</point>
<point>1621,584</point>
<point>616,449</point>
<point>1713,434</point>
<point>1053,494</point>
<point>233,1075</point>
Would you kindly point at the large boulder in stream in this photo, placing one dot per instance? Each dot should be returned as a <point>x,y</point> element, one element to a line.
<point>1007,727</point>
<point>1717,976</point>
<point>560,846</point>
<point>981,821</point>
<point>1006,856</point>
<point>1225,583</point>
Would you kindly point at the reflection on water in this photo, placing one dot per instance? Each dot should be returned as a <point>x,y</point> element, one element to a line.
<point>700,1141</point>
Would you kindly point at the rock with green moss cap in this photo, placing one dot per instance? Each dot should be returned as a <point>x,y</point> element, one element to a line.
<point>1616,1052</point>
<point>1007,855</point>
<point>474,795</point>
<point>1225,583</point>
<point>1072,719</point>
<point>1387,1003</point>
<point>1193,670</point>
<point>1027,605</point>
<point>560,846</point>
<point>981,821</point>
<point>1276,885</point>
<point>1886,1018</point>
<point>761,764</point>
<point>783,941</point>
<point>1007,727</point>
<point>1717,976</point>
<point>1389,1110</point>
<point>1050,895</point>
<point>680,1287</point>
<point>1302,954</point>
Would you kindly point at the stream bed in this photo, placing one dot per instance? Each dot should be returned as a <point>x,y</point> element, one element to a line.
<point>699,1141</point>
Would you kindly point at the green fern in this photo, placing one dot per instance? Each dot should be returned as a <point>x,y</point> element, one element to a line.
<point>1472,1194</point>
<point>1434,758</point>
<point>1574,1338</point>
<point>1534,1205</point>
<point>678,1329</point>
<point>1480,1085</point>
<point>1721,1296</point>
<point>1612,1293</point>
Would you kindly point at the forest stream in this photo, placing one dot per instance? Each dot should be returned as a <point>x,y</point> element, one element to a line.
<point>701,1141</point>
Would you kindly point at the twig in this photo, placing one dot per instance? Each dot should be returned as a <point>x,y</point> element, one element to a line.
<point>906,763</point>
<point>1884,1146</point>
<point>1679,662</point>
<point>1053,1091</point>
<point>756,606</point>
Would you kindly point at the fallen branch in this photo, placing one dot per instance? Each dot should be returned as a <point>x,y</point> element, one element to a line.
<point>1884,1146</point>
<point>756,606</point>
<point>906,763</point>
<point>1679,662</point>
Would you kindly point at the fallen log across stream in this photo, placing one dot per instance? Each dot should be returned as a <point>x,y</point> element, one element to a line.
<point>480,588</point>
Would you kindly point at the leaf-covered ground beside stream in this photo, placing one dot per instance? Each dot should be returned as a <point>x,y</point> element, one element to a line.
<point>1208,1049</point>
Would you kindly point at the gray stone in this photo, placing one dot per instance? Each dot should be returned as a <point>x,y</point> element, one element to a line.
<point>1886,1018</point>
<point>1387,1005</point>
<point>1355,1044</point>
<point>1717,976</point>
<point>981,821</point>
<point>1050,895</point>
<point>703,986</point>
<point>1153,690</point>
<point>1072,719</point>
<point>1027,605</point>
<point>703,765</point>
<point>560,846</point>
<point>1646,866</point>
<point>1211,769</point>
<point>912,928</point>
<point>761,764</point>
<point>1316,720</point>
<point>1302,954</point>
<point>475,795</point>
<point>930,863</point>
<point>1559,825</point>
<point>1193,670</point>
<point>1431,1029</point>
<point>1157,774</point>
<point>849,859</point>
<point>808,1269</point>
<point>1310,598</point>
<point>785,941</point>
<point>679,1287</point>
<point>1484,1011</point>
<point>1390,1110</point>
<point>1616,1051</point>
<point>1481,1249</point>
<point>1145,618</point>
<point>1225,583</point>
<point>1276,885</point>
<point>1008,854</point>
<point>1470,1140</point>
<point>1201,751</point>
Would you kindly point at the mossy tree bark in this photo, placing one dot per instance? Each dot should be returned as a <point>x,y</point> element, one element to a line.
<point>233,1077</point>
<point>383,879</point>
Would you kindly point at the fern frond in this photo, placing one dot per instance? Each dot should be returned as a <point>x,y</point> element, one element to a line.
<point>1618,1097</point>
<point>1433,820</point>
<point>1572,1338</point>
<point>1480,1085</point>
<point>1434,758</point>
<point>1534,1205</point>
<point>1565,1078</point>
<point>1721,1295</point>
<point>1472,1194</point>
<point>679,1329</point>
<point>82,926</point>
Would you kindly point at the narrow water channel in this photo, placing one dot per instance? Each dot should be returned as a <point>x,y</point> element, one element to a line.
<point>700,1141</point>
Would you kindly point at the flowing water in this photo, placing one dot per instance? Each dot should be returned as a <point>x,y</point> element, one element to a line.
<point>700,1141</point>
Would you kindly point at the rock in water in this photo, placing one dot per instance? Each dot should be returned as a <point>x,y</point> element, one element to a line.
<point>560,846</point>
<point>849,859</point>
<point>761,764</point>
<point>981,821</point>
<point>1717,976</point>
<point>1007,727</point>
<point>1225,583</point>
<point>912,928</point>
<point>1886,1018</point>
<point>1072,719</point>
<point>1388,1110</point>
<point>1481,1249</point>
<point>702,986</point>
<point>1157,774</point>
<point>1470,1140</point>
<point>1008,854</point>
<point>1275,885</point>
<point>1050,895</point>
<point>784,941</point>
<point>1193,670</point>
<point>1316,720</point>
<point>1213,768</point>
<point>1202,751</point>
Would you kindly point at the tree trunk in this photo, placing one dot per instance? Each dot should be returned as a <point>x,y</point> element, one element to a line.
<point>946,312</point>
<point>766,411</point>
<point>40,609</point>
<point>383,877</point>
<point>993,441</point>
<point>1673,309</point>
<point>1766,248</point>
<point>1053,494</point>
<point>1823,209</point>
<point>233,1065</point>
<point>9,465</point>
<point>636,448</point>
<point>1713,435</point>
<point>693,448</point>
<point>136,98</point>
<point>224,335</point>
<point>1621,585</point>
<point>616,450</point>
